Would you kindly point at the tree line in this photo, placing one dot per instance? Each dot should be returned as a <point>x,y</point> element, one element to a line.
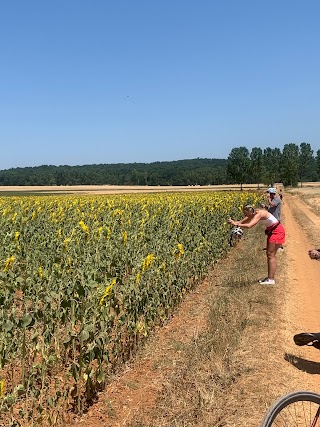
<point>291,165</point>
<point>180,172</point>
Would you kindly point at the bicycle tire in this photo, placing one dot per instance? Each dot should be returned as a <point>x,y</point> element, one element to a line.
<point>299,409</point>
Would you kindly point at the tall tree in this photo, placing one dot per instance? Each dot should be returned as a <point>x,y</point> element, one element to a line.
<point>277,162</point>
<point>290,164</point>
<point>307,164</point>
<point>256,165</point>
<point>318,164</point>
<point>238,164</point>
<point>272,159</point>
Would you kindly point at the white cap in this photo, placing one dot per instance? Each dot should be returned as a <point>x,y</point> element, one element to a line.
<point>272,190</point>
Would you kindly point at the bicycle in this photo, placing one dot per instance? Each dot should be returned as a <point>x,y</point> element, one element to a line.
<point>300,408</point>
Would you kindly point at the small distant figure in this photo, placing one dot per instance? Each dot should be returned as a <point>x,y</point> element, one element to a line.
<point>281,195</point>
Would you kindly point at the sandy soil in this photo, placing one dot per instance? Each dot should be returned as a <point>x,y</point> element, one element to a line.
<point>136,389</point>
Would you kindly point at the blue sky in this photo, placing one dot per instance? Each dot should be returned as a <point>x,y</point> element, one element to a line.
<point>123,81</point>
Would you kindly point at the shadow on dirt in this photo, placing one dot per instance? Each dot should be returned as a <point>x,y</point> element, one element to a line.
<point>302,364</point>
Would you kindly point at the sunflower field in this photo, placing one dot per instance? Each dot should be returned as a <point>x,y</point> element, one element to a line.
<point>84,279</point>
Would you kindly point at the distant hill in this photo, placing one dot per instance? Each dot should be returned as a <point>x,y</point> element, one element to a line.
<point>181,172</point>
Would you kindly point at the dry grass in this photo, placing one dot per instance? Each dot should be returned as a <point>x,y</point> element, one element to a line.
<point>309,192</point>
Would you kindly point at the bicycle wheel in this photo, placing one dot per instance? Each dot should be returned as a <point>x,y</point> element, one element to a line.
<point>298,409</point>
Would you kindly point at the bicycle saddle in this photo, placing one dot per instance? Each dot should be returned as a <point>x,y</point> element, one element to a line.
<point>308,338</point>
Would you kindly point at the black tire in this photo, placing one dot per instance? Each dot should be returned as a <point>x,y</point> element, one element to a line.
<point>297,409</point>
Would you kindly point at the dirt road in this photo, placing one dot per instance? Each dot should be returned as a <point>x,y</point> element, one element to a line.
<point>303,295</point>
<point>304,274</point>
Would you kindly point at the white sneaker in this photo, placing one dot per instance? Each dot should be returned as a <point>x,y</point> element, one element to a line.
<point>267,281</point>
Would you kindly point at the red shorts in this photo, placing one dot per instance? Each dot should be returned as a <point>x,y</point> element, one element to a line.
<point>278,235</point>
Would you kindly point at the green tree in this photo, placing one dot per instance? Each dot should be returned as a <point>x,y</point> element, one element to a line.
<point>277,163</point>
<point>269,172</point>
<point>307,164</point>
<point>317,159</point>
<point>238,164</point>
<point>256,165</point>
<point>290,164</point>
<point>272,160</point>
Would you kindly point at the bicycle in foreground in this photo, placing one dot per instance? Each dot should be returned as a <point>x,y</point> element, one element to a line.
<point>300,408</point>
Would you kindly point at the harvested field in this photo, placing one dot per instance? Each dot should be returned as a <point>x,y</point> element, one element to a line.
<point>118,189</point>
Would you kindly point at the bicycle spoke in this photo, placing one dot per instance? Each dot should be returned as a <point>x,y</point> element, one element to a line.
<point>298,414</point>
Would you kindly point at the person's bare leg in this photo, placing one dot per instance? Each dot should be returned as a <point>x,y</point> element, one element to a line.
<point>272,261</point>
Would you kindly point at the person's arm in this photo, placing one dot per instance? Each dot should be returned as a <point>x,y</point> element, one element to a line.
<point>273,202</point>
<point>246,222</point>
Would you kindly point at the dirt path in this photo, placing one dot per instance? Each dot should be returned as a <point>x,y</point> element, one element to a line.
<point>303,308</point>
<point>303,298</point>
<point>136,389</point>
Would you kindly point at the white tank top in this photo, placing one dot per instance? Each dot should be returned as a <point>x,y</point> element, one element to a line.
<point>269,221</point>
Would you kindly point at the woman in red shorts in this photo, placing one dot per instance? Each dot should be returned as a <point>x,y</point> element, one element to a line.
<point>274,230</point>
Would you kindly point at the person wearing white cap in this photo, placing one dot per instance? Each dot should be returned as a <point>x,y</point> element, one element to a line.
<point>274,203</point>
